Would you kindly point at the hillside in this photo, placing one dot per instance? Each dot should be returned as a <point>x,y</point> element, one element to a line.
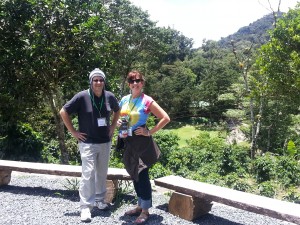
<point>256,32</point>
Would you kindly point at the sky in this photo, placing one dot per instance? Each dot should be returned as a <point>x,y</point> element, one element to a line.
<point>209,19</point>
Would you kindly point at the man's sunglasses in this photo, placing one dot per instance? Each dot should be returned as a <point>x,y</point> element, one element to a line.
<point>136,81</point>
<point>100,80</point>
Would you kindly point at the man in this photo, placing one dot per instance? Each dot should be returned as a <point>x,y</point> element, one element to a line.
<point>94,108</point>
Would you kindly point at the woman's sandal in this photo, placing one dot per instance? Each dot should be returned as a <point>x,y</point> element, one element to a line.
<point>143,217</point>
<point>134,212</point>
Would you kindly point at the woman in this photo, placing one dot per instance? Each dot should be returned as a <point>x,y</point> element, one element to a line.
<point>140,152</point>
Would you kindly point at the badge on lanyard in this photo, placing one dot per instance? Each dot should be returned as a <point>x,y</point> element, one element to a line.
<point>101,122</point>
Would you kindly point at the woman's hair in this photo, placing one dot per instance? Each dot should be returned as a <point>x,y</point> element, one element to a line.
<point>134,74</point>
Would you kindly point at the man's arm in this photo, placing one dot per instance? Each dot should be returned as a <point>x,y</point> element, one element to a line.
<point>115,117</point>
<point>68,123</point>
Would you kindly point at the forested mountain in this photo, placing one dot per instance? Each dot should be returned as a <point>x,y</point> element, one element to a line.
<point>256,32</point>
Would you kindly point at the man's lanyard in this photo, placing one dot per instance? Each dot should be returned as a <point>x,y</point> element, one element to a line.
<point>100,104</point>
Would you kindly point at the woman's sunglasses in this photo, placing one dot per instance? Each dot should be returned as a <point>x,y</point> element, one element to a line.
<point>136,81</point>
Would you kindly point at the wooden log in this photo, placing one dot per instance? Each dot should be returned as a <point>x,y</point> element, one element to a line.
<point>188,207</point>
<point>5,177</point>
<point>112,188</point>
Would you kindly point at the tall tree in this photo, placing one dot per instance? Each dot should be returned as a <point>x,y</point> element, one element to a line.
<point>12,26</point>
<point>140,44</point>
<point>60,42</point>
<point>244,60</point>
<point>215,72</point>
<point>173,87</point>
<point>279,59</point>
<point>278,66</point>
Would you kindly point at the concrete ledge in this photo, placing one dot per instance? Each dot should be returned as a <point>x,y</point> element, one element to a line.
<point>57,169</point>
<point>250,202</point>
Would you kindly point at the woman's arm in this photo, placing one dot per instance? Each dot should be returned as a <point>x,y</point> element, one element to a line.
<point>160,114</point>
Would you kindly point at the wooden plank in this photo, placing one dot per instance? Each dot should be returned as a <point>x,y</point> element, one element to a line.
<point>58,169</point>
<point>254,203</point>
<point>188,207</point>
<point>111,190</point>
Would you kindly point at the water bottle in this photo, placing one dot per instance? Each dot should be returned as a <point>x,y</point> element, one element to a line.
<point>123,131</point>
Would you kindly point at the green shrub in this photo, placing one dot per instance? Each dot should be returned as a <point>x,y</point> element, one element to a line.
<point>204,141</point>
<point>233,181</point>
<point>71,184</point>
<point>116,162</point>
<point>158,170</point>
<point>206,169</point>
<point>292,195</point>
<point>288,170</point>
<point>50,152</point>
<point>242,185</point>
<point>265,167</point>
<point>267,189</point>
<point>183,158</point>
<point>211,178</point>
<point>214,178</point>
<point>168,143</point>
<point>283,169</point>
<point>234,158</point>
<point>291,148</point>
<point>20,142</point>
<point>183,172</point>
<point>227,162</point>
<point>194,175</point>
<point>116,156</point>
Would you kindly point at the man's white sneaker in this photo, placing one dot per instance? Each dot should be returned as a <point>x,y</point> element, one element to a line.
<point>85,215</point>
<point>101,205</point>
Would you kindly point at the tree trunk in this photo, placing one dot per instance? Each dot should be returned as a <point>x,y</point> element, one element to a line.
<point>253,141</point>
<point>256,129</point>
<point>59,126</point>
<point>245,66</point>
<point>122,91</point>
<point>253,137</point>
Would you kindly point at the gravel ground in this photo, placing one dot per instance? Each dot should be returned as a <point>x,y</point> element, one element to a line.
<point>44,200</point>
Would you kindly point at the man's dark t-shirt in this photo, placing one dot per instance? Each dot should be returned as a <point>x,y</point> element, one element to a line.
<point>88,115</point>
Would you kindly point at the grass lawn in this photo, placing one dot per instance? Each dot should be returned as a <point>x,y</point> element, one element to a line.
<point>185,133</point>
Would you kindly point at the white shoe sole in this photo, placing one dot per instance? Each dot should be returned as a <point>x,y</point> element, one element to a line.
<point>86,219</point>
